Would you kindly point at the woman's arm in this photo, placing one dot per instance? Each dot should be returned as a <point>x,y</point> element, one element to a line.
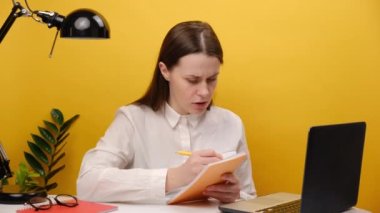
<point>105,176</point>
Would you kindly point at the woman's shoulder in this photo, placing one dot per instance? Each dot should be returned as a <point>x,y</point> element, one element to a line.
<point>135,110</point>
<point>225,114</point>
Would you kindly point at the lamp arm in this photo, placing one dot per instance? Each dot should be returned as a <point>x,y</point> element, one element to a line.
<point>16,12</point>
<point>52,19</point>
<point>5,171</point>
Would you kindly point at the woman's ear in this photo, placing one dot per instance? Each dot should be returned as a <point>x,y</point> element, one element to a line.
<point>164,70</point>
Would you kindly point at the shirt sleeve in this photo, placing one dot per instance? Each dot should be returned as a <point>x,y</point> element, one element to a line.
<point>105,177</point>
<point>248,190</point>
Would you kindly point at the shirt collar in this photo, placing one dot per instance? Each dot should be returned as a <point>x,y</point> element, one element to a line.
<point>173,117</point>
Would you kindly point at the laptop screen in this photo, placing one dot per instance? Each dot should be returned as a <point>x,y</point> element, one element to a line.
<point>332,168</point>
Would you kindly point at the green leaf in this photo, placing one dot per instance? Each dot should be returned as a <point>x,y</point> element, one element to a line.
<point>61,134</point>
<point>68,123</point>
<point>57,116</point>
<point>60,140</point>
<point>57,151</point>
<point>20,177</point>
<point>42,143</point>
<point>33,174</point>
<point>47,135</point>
<point>38,152</point>
<point>54,172</point>
<point>51,186</point>
<point>51,126</point>
<point>33,162</point>
<point>25,178</point>
<point>23,167</point>
<point>57,160</point>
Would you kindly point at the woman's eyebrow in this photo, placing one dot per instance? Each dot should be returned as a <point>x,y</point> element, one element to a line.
<point>216,74</point>
<point>197,76</point>
<point>193,76</point>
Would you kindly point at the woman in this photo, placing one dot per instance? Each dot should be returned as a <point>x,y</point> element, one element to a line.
<point>136,160</point>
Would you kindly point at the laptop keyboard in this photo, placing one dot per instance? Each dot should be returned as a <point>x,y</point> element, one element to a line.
<point>291,207</point>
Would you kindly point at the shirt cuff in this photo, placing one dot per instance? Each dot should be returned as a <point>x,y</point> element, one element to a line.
<point>246,196</point>
<point>159,183</point>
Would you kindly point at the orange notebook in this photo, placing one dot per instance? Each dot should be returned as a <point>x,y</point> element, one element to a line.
<point>83,207</point>
<point>210,175</point>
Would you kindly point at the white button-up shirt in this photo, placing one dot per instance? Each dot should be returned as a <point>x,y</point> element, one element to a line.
<point>130,162</point>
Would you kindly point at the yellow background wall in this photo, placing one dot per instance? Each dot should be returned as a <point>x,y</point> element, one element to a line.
<point>288,65</point>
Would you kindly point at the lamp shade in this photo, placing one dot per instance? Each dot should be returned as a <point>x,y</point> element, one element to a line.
<point>85,23</point>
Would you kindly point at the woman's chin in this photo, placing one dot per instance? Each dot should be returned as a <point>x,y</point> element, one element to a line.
<point>199,108</point>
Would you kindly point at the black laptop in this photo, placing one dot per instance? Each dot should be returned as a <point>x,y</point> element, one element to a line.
<point>331,177</point>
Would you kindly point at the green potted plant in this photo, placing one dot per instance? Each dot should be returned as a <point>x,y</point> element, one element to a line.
<point>46,152</point>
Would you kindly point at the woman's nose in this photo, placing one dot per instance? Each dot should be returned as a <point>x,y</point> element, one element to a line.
<point>203,89</point>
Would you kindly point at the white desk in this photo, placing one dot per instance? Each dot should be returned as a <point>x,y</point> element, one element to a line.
<point>199,207</point>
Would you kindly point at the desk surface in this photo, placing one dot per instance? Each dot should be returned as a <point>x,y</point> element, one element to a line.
<point>198,207</point>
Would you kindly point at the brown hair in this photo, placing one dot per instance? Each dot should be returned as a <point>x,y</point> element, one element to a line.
<point>183,39</point>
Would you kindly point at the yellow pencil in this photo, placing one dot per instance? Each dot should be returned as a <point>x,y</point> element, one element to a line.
<point>183,152</point>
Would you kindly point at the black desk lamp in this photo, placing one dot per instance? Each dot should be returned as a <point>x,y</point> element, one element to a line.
<point>82,23</point>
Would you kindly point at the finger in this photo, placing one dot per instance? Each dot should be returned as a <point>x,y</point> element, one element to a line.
<point>230,178</point>
<point>195,159</point>
<point>206,156</point>
<point>224,188</point>
<point>222,196</point>
<point>209,153</point>
<point>208,160</point>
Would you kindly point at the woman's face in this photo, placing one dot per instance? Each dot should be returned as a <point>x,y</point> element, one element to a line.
<point>192,82</point>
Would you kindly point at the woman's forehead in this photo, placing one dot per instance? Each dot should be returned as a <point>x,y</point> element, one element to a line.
<point>198,64</point>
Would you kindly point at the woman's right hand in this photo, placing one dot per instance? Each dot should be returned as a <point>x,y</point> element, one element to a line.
<point>186,172</point>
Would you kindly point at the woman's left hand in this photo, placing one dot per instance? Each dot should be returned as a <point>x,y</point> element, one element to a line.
<point>226,192</point>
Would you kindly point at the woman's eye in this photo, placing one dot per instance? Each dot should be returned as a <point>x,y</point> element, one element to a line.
<point>192,81</point>
<point>211,80</point>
